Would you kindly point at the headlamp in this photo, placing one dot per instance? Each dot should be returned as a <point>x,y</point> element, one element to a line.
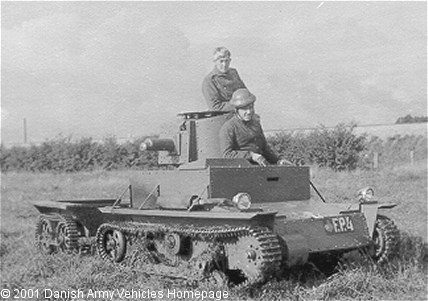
<point>366,194</point>
<point>242,200</point>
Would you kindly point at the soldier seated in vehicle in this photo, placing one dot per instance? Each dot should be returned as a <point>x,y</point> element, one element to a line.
<point>242,135</point>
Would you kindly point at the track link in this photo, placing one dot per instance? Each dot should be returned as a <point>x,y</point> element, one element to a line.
<point>192,253</point>
<point>386,239</point>
<point>67,234</point>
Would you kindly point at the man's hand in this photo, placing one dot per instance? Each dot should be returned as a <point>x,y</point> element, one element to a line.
<point>284,162</point>
<point>259,159</point>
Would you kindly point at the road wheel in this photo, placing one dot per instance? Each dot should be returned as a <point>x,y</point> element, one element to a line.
<point>111,243</point>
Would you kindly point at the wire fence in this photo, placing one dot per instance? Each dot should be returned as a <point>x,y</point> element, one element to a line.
<point>383,131</point>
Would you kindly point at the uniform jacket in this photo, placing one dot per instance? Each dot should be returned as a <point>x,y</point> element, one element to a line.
<point>238,138</point>
<point>218,88</point>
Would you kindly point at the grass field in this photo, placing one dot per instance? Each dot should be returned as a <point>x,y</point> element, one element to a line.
<point>383,131</point>
<point>23,267</point>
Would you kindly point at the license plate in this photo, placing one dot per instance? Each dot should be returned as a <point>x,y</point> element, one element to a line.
<point>339,224</point>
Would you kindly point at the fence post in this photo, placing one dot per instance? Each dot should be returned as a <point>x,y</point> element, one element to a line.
<point>25,130</point>
<point>375,160</point>
<point>412,157</point>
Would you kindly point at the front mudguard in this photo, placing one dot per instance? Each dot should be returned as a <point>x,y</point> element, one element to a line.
<point>370,211</point>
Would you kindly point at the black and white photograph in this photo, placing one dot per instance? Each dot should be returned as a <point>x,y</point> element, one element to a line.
<point>214,150</point>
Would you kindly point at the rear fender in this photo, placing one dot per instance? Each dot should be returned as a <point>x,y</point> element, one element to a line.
<point>85,212</point>
<point>370,210</point>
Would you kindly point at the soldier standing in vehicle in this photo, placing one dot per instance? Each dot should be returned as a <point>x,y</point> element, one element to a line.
<point>242,135</point>
<point>219,85</point>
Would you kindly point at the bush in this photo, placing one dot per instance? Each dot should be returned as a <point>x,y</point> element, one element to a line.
<point>338,148</point>
<point>62,154</point>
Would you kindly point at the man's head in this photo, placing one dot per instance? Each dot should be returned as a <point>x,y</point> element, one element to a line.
<point>243,102</point>
<point>222,59</point>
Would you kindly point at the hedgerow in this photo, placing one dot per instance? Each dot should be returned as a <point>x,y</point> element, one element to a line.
<point>338,148</point>
<point>64,155</point>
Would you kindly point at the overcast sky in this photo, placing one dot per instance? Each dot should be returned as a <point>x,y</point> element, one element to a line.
<point>124,68</point>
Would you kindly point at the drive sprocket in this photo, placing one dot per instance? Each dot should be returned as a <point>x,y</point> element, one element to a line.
<point>256,253</point>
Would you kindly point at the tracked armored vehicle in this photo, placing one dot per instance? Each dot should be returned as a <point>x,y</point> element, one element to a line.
<point>208,217</point>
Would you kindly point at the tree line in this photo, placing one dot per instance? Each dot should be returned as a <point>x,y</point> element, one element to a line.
<point>411,119</point>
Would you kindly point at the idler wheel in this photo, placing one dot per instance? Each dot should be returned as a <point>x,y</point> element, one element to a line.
<point>45,235</point>
<point>111,243</point>
<point>386,237</point>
